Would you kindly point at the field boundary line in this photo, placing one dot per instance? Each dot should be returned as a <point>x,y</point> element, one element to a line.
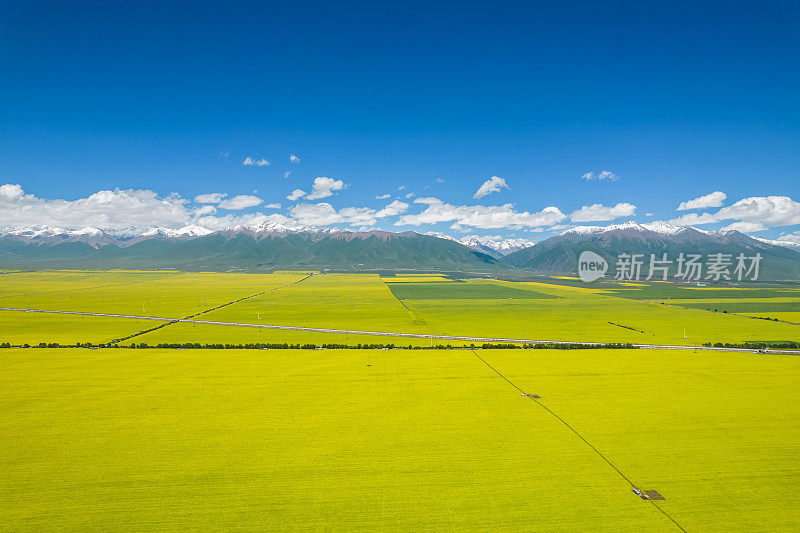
<point>189,317</point>
<point>414,315</point>
<point>581,437</point>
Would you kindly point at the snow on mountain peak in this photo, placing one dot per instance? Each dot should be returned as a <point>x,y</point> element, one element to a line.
<point>483,243</point>
<point>659,226</point>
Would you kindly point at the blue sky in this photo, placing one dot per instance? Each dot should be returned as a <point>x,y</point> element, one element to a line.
<point>677,100</point>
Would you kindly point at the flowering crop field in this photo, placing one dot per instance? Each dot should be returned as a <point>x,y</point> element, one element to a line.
<point>389,439</point>
<point>551,310</point>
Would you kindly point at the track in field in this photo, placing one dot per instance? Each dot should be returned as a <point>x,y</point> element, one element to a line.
<point>575,431</point>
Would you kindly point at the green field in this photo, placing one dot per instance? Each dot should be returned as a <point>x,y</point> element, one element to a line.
<point>119,438</point>
<point>360,439</point>
<point>421,304</point>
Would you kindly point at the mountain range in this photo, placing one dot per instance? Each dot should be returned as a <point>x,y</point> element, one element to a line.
<point>560,253</point>
<point>271,245</point>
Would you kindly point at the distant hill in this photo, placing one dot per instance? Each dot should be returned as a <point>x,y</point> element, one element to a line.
<point>241,248</point>
<point>559,254</point>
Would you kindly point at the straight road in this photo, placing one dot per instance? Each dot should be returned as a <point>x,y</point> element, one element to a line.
<point>394,334</point>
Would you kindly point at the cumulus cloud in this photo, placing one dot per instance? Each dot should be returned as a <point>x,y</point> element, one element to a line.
<point>602,175</point>
<point>746,227</point>
<point>293,158</point>
<point>694,219</point>
<point>324,187</point>
<point>713,199</point>
<point>479,216</point>
<point>493,184</point>
<point>439,180</point>
<point>295,194</point>
<point>765,210</point>
<point>253,220</point>
<point>791,237</point>
<point>410,195</point>
<point>599,212</point>
<point>107,209</point>
<point>272,206</point>
<point>324,214</point>
<point>242,201</point>
<point>768,210</point>
<point>253,162</point>
<point>204,210</point>
<point>210,198</point>
<point>393,209</point>
<point>382,197</point>
<point>286,174</point>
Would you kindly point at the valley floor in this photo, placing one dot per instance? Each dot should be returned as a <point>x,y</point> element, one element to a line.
<point>117,438</point>
<point>389,439</point>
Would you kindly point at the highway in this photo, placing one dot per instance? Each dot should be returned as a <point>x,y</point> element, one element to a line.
<point>395,334</point>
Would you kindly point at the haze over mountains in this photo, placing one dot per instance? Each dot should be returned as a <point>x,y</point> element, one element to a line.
<point>271,245</point>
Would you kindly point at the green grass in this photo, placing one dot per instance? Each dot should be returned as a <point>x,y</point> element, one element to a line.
<point>460,291</point>
<point>386,440</point>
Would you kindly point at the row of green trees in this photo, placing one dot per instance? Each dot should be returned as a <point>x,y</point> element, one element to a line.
<point>784,345</point>
<point>327,346</point>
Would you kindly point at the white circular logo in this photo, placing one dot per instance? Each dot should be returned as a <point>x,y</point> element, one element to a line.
<point>591,266</point>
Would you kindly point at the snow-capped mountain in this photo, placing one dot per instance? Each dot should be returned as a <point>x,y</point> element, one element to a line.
<point>560,252</point>
<point>788,244</point>
<point>493,245</point>
<point>665,228</point>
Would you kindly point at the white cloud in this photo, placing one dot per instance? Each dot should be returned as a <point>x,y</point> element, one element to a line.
<point>11,191</point>
<point>252,220</point>
<point>410,195</point>
<point>765,210</point>
<point>400,188</point>
<point>224,154</point>
<point>602,175</point>
<point>204,210</point>
<point>427,200</point>
<point>439,180</point>
<point>393,209</point>
<point>693,219</point>
<point>297,193</point>
<point>321,214</point>
<point>324,214</point>
<point>286,174</point>
<point>768,210</point>
<point>107,209</point>
<point>293,158</point>
<point>324,187</point>
<point>713,199</point>
<point>746,227</point>
<point>493,184</point>
<point>210,198</point>
<point>598,212</point>
<point>242,201</point>
<point>253,162</point>
<point>272,206</point>
<point>791,237</point>
<point>382,197</point>
<point>479,216</point>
